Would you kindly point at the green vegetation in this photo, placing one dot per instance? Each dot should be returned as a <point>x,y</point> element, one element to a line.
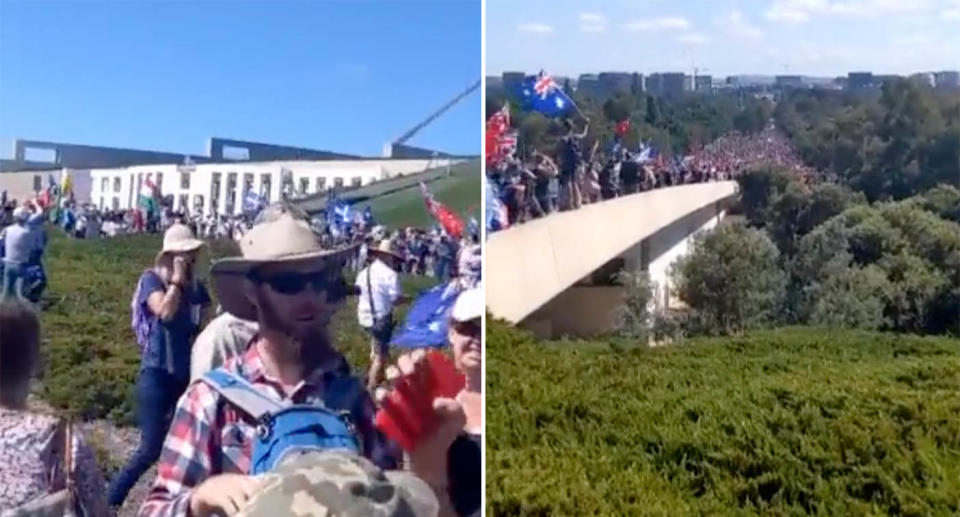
<point>91,357</point>
<point>460,192</point>
<point>895,145</point>
<point>790,422</point>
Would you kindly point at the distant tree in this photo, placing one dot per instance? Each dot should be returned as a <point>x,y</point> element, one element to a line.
<point>732,280</point>
<point>852,298</point>
<point>634,317</point>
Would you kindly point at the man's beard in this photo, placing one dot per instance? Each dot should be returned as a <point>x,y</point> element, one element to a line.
<point>311,344</point>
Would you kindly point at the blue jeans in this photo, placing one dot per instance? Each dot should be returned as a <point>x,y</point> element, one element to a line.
<point>157,394</point>
<point>440,269</point>
<point>12,280</point>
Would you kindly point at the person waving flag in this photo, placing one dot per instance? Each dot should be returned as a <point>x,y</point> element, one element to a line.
<point>541,93</point>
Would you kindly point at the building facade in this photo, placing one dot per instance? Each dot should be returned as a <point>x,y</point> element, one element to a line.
<point>220,188</point>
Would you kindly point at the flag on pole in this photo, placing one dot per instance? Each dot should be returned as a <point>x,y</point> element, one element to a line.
<point>623,127</point>
<point>448,219</point>
<point>252,202</point>
<point>149,193</point>
<point>498,128</point>
<point>541,93</point>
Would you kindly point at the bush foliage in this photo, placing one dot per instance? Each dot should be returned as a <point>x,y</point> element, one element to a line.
<point>790,422</point>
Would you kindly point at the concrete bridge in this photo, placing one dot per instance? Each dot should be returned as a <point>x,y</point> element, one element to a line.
<point>556,275</point>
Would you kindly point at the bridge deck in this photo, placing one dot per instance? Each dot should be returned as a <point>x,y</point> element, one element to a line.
<point>528,265</point>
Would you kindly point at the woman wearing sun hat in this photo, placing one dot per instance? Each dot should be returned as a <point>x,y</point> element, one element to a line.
<point>166,307</point>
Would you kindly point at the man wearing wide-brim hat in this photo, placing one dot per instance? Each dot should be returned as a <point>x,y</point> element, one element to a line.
<point>291,286</point>
<point>379,288</point>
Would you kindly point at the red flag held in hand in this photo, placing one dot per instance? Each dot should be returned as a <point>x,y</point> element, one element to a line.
<point>406,414</point>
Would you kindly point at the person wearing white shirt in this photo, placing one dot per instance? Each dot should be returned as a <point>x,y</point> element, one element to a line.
<point>379,289</point>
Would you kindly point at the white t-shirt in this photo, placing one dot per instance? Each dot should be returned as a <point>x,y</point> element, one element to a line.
<point>224,337</point>
<point>386,289</point>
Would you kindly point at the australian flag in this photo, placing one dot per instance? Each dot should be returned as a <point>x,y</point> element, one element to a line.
<point>541,93</point>
<point>426,323</point>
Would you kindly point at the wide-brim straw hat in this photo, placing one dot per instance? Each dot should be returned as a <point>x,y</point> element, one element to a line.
<point>386,248</point>
<point>283,240</point>
<point>179,239</point>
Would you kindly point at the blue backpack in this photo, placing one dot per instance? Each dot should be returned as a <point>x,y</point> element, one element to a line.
<point>291,429</point>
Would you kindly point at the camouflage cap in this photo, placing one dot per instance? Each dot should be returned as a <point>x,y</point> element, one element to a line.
<point>339,483</point>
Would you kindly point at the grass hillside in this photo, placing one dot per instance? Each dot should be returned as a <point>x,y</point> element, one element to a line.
<point>790,422</point>
<point>91,358</point>
<point>461,192</point>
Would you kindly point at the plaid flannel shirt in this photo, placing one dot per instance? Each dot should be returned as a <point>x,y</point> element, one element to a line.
<point>209,437</point>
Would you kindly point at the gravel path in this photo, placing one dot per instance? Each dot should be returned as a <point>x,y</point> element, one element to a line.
<point>119,443</point>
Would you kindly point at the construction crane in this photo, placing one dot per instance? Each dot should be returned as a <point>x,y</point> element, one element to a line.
<point>415,129</point>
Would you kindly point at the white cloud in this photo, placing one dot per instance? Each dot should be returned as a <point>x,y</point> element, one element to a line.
<point>735,24</point>
<point>692,39</point>
<point>592,18</point>
<point>536,28</point>
<point>655,24</point>
<point>800,11</point>
<point>593,22</point>
<point>950,14</point>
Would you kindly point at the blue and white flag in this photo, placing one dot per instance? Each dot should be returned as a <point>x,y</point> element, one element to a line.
<point>541,93</point>
<point>368,217</point>
<point>428,317</point>
<point>341,212</point>
<point>252,202</point>
<point>495,210</point>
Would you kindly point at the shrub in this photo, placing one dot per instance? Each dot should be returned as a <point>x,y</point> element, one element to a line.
<point>731,279</point>
<point>796,421</point>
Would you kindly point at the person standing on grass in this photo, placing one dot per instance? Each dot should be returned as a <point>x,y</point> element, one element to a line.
<point>291,286</point>
<point>379,288</point>
<point>21,243</point>
<point>167,309</point>
<point>36,447</point>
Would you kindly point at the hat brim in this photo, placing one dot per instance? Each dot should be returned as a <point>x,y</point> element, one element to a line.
<point>385,253</point>
<point>228,276</point>
<point>184,246</point>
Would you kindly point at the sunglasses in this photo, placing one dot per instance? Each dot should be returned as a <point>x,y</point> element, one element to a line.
<point>467,328</point>
<point>292,283</point>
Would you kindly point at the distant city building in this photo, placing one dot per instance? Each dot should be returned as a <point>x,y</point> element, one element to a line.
<point>589,85</point>
<point>703,84</point>
<point>789,81</point>
<point>860,81</point>
<point>511,80</point>
<point>494,81</point>
<point>947,80</point>
<point>668,84</point>
<point>613,83</point>
<point>636,83</point>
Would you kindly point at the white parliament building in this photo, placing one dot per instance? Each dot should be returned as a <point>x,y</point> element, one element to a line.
<point>112,178</point>
<point>219,188</point>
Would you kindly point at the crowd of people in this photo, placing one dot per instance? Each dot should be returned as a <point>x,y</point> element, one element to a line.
<point>575,175</point>
<point>251,413</point>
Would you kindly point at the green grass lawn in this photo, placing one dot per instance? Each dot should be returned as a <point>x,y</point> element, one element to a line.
<point>90,355</point>
<point>796,421</point>
<point>461,192</point>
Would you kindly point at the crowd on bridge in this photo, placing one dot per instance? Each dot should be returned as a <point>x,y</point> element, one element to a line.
<point>234,411</point>
<point>575,174</point>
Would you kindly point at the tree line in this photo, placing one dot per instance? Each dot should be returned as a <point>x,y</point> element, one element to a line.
<point>673,126</point>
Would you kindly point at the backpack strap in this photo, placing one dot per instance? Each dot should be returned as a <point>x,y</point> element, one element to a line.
<point>241,393</point>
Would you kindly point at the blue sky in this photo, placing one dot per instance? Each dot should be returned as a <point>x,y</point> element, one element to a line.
<point>724,37</point>
<point>345,76</point>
